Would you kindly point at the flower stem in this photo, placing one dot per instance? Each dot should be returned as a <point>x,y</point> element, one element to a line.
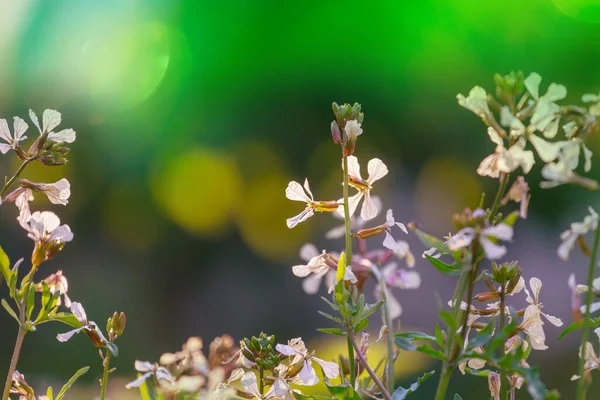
<point>581,385</point>
<point>390,339</point>
<point>499,194</point>
<point>8,184</point>
<point>503,378</point>
<point>350,333</point>
<point>105,375</point>
<point>16,352</point>
<point>372,374</point>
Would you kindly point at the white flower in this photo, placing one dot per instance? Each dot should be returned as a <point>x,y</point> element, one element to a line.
<point>576,302</point>
<point>519,193</point>
<point>558,174</point>
<point>356,223</point>
<point>546,115</point>
<point>57,192</point>
<point>280,389</point>
<point>45,228</point>
<point>50,120</point>
<point>190,357</point>
<point>389,241</point>
<point>377,170</point>
<point>532,323</point>
<point>307,376</point>
<point>503,160</point>
<point>592,361</point>
<point>465,236</point>
<point>577,229</point>
<point>570,151</point>
<point>12,142</point>
<point>352,130</point>
<point>318,265</point>
<point>476,102</point>
<point>296,192</point>
<point>392,276</point>
<point>89,326</point>
<point>57,282</point>
<point>147,369</point>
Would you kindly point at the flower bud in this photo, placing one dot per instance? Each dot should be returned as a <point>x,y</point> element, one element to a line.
<point>335,132</point>
<point>116,325</point>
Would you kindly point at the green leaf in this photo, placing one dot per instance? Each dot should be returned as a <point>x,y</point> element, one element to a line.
<point>404,343</point>
<point>446,269</point>
<point>511,218</point>
<point>457,397</point>
<point>332,331</point>
<point>449,319</point>
<point>68,319</point>
<point>30,301</point>
<point>144,391</point>
<point>432,241</point>
<point>401,393</point>
<point>438,335</point>
<point>416,336</point>
<point>301,396</point>
<point>12,285</point>
<point>46,295</point>
<point>483,335</point>
<point>426,349</point>
<point>5,266</point>
<point>594,323</point>
<point>70,382</point>
<point>331,317</point>
<point>49,393</point>
<point>368,310</point>
<point>476,372</point>
<point>362,325</point>
<point>10,311</point>
<point>333,306</point>
<point>345,392</point>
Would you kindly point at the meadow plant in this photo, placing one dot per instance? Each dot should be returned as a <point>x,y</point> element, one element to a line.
<point>482,331</point>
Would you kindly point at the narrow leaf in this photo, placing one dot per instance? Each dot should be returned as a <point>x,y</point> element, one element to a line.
<point>446,269</point>
<point>10,311</point>
<point>401,393</point>
<point>332,331</point>
<point>70,382</point>
<point>5,266</point>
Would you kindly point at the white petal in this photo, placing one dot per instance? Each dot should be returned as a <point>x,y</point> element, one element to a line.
<point>546,150</point>
<point>303,216</point>
<point>492,251</point>
<point>311,284</point>
<point>301,270</point>
<point>389,218</point>
<point>503,232</point>
<point>20,126</point>
<point>249,382</point>
<point>62,234</point>
<point>354,167</point>
<point>377,170</point>
<point>288,350</point>
<point>307,376</point>
<point>353,203</point>
<point>566,246</point>
<point>369,210</point>
<point>461,239</point>
<point>49,220</point>
<point>393,305</point>
<point>556,92</point>
<point>5,132</point>
<point>79,312</point>
<point>279,389</point>
<point>35,120</point>
<point>5,148</point>
<point>64,136</point>
<point>331,369</point>
<point>295,191</point>
<point>50,120</point>
<point>139,381</point>
<point>593,308</point>
<point>532,83</point>
<point>143,366</point>
<point>390,243</point>
<point>337,232</point>
<point>587,153</point>
<point>553,320</point>
<point>552,128</point>
<point>307,188</point>
<point>495,138</point>
<point>536,286</point>
<point>63,337</point>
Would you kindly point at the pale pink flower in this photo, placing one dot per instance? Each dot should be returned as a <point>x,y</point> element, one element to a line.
<point>12,142</point>
<point>307,376</point>
<point>147,369</point>
<point>50,120</point>
<point>493,251</point>
<point>394,277</point>
<point>532,323</point>
<point>577,229</point>
<point>297,192</point>
<point>377,170</point>
<point>319,266</point>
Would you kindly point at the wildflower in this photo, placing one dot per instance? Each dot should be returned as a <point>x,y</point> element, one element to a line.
<point>503,160</point>
<point>50,120</point>
<point>595,306</point>
<point>190,357</point>
<point>355,222</point>
<point>532,323</point>
<point>377,170</point>
<point>307,376</point>
<point>352,131</point>
<point>558,174</point>
<point>519,193</point>
<point>546,115</point>
<point>592,361</point>
<point>12,142</point>
<point>476,102</point>
<point>392,276</point>
<point>401,250</point>
<point>57,192</point>
<point>485,237</point>
<point>577,230</point>
<point>147,369</point>
<point>280,389</point>
<point>89,327</point>
<point>56,282</point>
<point>21,387</point>
<point>49,235</point>
<point>318,265</point>
<point>296,192</point>
<point>576,297</point>
<point>570,154</point>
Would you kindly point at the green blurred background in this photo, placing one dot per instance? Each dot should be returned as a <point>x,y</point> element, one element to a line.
<point>192,116</point>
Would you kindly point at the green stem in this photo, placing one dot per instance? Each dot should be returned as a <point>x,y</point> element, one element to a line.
<point>499,195</point>
<point>105,375</point>
<point>581,385</point>
<point>15,176</point>
<point>444,381</point>
<point>348,262</point>
<point>390,339</point>
<point>16,352</point>
<point>365,364</point>
<point>503,377</point>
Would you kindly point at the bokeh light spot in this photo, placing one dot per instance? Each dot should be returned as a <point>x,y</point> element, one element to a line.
<point>129,65</point>
<point>444,186</point>
<point>199,190</point>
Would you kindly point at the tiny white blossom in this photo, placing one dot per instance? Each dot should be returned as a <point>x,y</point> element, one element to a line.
<point>318,266</point>
<point>377,170</point>
<point>12,141</point>
<point>519,193</point>
<point>570,154</point>
<point>57,282</point>
<point>558,174</point>
<point>476,102</point>
<point>394,277</point>
<point>352,130</point>
<point>57,192</point>
<point>546,115</point>
<point>577,229</point>
<point>147,369</point>
<point>389,241</point>
<point>44,227</point>
<point>532,323</point>
<point>50,120</point>
<point>297,192</point>
<point>505,160</point>
<point>89,326</point>
<point>493,251</point>
<point>307,376</point>
<point>587,352</point>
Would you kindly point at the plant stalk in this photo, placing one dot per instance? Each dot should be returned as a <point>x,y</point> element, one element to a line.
<point>105,375</point>
<point>503,378</point>
<point>390,339</point>
<point>261,383</point>
<point>581,385</point>
<point>348,228</point>
<point>8,184</point>
<point>16,352</point>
